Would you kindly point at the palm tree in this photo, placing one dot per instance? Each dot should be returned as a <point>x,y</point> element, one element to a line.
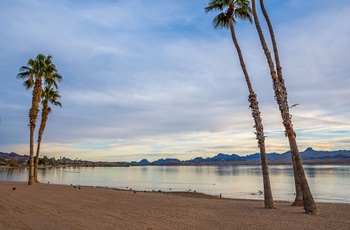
<point>281,98</point>
<point>35,72</point>
<point>240,9</point>
<point>299,195</point>
<point>49,96</point>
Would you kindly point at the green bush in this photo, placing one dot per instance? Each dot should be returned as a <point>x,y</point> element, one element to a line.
<point>13,164</point>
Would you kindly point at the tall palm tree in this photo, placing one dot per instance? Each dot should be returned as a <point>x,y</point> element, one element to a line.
<point>298,191</point>
<point>51,96</point>
<point>240,9</point>
<point>281,98</point>
<point>34,73</point>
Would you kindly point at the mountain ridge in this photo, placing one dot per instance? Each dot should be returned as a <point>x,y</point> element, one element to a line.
<point>309,156</point>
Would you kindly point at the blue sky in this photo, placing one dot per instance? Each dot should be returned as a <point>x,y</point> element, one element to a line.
<point>151,79</point>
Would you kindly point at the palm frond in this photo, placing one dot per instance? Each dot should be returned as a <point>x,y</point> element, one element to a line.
<point>218,5</point>
<point>243,10</point>
<point>214,5</point>
<point>244,14</point>
<point>29,83</point>
<point>52,79</point>
<point>57,103</point>
<point>220,21</point>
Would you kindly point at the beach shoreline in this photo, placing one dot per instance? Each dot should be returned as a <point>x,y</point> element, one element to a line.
<point>51,206</point>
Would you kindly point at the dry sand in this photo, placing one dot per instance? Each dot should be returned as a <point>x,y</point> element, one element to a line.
<point>48,206</point>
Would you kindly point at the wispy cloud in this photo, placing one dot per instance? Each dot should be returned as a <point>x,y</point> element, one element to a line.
<point>149,80</point>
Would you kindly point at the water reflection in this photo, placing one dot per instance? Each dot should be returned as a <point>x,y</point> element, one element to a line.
<point>280,170</point>
<point>327,182</point>
<point>227,170</point>
<point>14,174</point>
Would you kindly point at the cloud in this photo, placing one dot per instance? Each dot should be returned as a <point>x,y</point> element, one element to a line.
<point>142,80</point>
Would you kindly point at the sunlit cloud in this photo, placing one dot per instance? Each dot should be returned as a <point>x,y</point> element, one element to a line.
<point>158,81</point>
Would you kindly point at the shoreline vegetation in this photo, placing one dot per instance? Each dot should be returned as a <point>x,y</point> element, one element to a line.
<point>50,206</point>
<point>117,164</point>
<point>309,156</point>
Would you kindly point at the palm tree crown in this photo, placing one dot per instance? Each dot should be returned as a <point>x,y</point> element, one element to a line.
<point>50,96</point>
<point>239,9</point>
<point>40,68</point>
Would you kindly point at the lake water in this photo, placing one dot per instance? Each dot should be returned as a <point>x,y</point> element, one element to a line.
<point>328,183</point>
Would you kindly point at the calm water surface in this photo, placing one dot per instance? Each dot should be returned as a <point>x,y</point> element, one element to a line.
<point>328,183</point>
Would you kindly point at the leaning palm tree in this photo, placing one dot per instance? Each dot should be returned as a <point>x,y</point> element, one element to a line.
<point>51,96</point>
<point>34,73</point>
<point>226,19</point>
<point>281,98</point>
<point>298,191</point>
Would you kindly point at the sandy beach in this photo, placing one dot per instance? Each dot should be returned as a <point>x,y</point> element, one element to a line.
<point>48,206</point>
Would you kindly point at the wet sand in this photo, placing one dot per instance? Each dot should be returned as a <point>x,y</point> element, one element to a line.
<point>48,206</point>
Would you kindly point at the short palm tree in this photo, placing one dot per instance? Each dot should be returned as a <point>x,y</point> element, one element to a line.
<point>34,73</point>
<point>229,10</point>
<point>49,96</point>
<point>281,98</point>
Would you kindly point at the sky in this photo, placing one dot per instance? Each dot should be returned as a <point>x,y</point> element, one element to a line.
<point>152,78</point>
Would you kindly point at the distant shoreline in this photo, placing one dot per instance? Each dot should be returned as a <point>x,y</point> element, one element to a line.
<point>345,161</point>
<point>308,156</point>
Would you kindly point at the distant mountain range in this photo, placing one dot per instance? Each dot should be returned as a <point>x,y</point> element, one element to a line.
<point>309,156</point>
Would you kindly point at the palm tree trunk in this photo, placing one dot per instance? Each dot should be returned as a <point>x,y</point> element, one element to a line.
<point>268,199</point>
<point>273,39</point>
<point>254,106</point>
<point>299,196</point>
<point>309,203</point>
<point>36,165</point>
<point>44,116</point>
<point>298,201</point>
<point>31,156</point>
<point>281,98</point>
<point>33,114</point>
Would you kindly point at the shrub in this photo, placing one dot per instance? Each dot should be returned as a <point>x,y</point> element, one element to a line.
<point>13,164</point>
